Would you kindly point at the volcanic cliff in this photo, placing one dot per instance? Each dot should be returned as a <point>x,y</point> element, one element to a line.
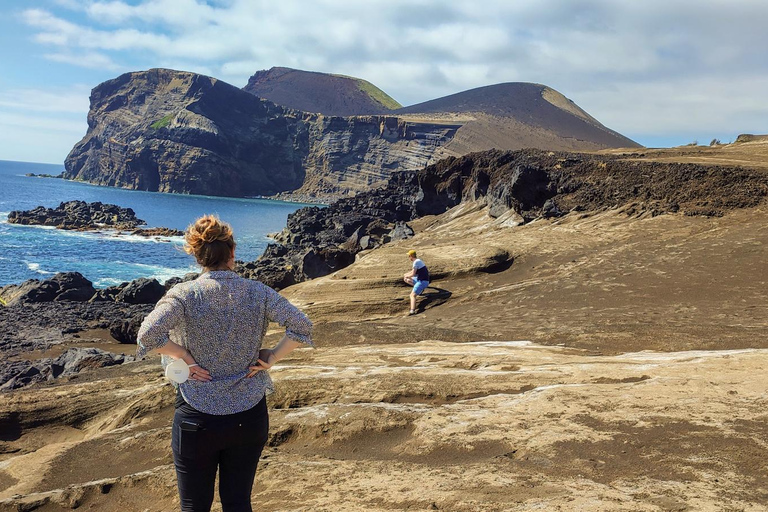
<point>174,131</point>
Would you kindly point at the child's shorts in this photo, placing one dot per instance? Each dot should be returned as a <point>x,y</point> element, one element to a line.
<point>419,286</point>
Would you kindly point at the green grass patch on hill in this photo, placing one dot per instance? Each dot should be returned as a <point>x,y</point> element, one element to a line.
<point>373,92</point>
<point>378,95</point>
<point>162,123</point>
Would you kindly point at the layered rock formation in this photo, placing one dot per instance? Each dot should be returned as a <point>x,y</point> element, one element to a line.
<point>173,131</point>
<point>354,154</point>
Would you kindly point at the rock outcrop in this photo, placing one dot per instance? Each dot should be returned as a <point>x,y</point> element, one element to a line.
<point>78,215</point>
<point>82,216</point>
<point>748,137</point>
<point>354,154</point>
<point>69,286</point>
<point>22,373</point>
<point>73,287</point>
<point>141,291</point>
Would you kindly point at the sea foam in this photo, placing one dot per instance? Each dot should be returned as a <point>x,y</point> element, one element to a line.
<point>35,267</point>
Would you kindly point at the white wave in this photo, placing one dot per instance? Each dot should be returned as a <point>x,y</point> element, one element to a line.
<point>106,282</point>
<point>158,272</point>
<point>163,274</point>
<point>123,237</point>
<point>30,226</point>
<point>101,235</point>
<point>127,237</point>
<point>35,267</point>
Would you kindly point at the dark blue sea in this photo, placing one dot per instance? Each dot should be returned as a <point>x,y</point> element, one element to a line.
<point>30,252</point>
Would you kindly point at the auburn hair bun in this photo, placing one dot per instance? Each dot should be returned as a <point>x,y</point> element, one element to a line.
<point>210,240</point>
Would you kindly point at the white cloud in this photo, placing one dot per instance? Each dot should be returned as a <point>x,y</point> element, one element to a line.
<point>73,5</point>
<point>685,106</point>
<point>176,13</point>
<point>93,60</point>
<point>12,121</point>
<point>59,32</point>
<point>637,67</point>
<point>71,100</point>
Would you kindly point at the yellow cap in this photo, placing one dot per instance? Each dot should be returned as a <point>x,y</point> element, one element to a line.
<point>411,253</point>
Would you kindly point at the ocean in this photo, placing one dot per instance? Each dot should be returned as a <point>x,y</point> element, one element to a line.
<point>35,252</point>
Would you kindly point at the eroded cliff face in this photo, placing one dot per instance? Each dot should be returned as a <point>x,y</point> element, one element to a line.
<point>171,131</point>
<point>353,154</point>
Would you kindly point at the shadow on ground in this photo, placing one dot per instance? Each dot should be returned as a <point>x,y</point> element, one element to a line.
<point>432,297</point>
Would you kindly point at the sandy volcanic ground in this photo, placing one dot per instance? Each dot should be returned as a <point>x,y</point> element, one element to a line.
<point>602,361</point>
<point>753,153</point>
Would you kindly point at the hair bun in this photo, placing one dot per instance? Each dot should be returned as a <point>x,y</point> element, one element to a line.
<point>211,233</point>
<point>205,232</point>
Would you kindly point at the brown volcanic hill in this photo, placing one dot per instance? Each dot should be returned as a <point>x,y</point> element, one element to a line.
<point>324,93</point>
<point>515,116</point>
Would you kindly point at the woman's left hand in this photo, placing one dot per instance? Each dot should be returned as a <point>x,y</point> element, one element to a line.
<point>265,362</point>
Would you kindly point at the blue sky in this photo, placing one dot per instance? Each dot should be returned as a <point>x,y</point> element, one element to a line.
<point>663,73</point>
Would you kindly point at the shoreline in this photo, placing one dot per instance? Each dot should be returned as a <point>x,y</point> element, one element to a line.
<point>282,197</point>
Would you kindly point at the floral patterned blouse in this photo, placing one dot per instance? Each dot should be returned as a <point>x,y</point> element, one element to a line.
<point>221,318</point>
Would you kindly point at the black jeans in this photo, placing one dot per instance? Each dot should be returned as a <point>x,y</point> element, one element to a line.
<point>203,443</point>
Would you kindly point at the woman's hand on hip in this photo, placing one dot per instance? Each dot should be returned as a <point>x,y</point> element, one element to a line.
<point>265,362</point>
<point>197,372</point>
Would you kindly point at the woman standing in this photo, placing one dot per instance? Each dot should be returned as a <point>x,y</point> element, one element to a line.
<point>216,324</point>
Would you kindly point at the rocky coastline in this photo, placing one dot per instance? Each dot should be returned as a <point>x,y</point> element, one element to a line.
<point>37,315</point>
<point>44,175</point>
<point>78,215</point>
<point>81,216</point>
